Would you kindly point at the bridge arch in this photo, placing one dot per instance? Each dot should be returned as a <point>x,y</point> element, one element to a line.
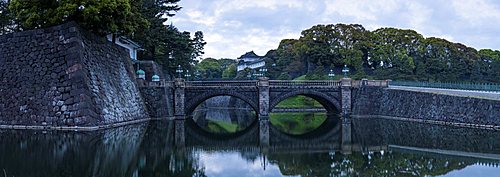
<point>192,103</point>
<point>329,102</point>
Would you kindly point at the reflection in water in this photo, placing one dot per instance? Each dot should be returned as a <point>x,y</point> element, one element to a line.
<point>224,115</point>
<point>112,152</point>
<point>224,121</point>
<point>379,148</point>
<point>298,123</point>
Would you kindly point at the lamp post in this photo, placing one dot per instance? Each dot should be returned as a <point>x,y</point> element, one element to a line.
<point>179,71</point>
<point>187,75</point>
<point>197,74</point>
<point>262,72</point>
<point>155,78</point>
<point>254,74</point>
<point>331,74</point>
<point>141,74</point>
<point>345,70</point>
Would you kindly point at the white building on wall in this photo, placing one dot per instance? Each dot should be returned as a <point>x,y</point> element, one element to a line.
<point>130,45</point>
<point>250,60</point>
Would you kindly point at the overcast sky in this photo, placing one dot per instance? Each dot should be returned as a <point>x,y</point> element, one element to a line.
<point>233,27</point>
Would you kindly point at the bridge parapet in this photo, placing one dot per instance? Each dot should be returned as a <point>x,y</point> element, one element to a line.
<point>272,83</point>
<point>304,83</point>
<point>217,84</point>
<point>373,83</point>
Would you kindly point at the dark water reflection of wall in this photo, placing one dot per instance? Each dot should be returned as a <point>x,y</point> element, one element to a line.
<point>413,134</point>
<point>112,152</point>
<point>135,150</point>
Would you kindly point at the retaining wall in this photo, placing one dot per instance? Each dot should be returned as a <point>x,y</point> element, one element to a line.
<point>423,106</point>
<point>64,77</point>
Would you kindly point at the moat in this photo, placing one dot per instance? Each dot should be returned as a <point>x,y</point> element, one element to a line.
<point>225,142</point>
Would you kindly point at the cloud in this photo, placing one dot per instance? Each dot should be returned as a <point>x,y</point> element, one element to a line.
<point>233,27</point>
<point>477,12</point>
<point>360,10</point>
<point>228,160</point>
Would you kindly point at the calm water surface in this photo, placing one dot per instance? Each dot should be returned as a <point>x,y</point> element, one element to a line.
<point>226,143</point>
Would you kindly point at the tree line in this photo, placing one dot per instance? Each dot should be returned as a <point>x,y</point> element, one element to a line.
<point>144,21</point>
<point>386,53</point>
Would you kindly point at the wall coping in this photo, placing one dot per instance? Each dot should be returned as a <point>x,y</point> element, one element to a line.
<point>79,128</point>
<point>427,121</point>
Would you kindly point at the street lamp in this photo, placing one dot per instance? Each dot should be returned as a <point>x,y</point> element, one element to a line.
<point>262,72</point>
<point>331,74</point>
<point>197,74</point>
<point>155,78</point>
<point>187,75</point>
<point>345,70</point>
<point>179,71</point>
<point>254,74</point>
<point>141,74</point>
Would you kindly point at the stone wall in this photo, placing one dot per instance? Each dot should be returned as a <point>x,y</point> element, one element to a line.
<point>63,76</point>
<point>422,106</point>
<point>159,101</point>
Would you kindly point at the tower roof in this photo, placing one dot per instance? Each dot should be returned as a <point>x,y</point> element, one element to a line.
<point>250,54</point>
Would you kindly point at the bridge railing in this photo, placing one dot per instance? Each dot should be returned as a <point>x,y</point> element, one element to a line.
<point>448,85</point>
<point>272,83</point>
<point>304,83</point>
<point>375,83</point>
<point>242,83</point>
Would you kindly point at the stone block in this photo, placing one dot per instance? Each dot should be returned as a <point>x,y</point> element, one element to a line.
<point>45,58</point>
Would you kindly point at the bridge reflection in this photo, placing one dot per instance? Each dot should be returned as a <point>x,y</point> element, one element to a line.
<point>378,148</point>
<point>326,137</point>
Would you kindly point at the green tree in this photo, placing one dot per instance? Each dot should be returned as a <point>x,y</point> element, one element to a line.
<point>394,53</point>
<point>229,72</point>
<point>325,46</point>
<point>386,53</point>
<point>175,49</point>
<point>198,44</point>
<point>165,44</point>
<point>101,17</point>
<point>225,62</point>
<point>209,68</point>
<point>155,37</point>
<point>284,76</point>
<point>288,59</point>
<point>6,17</point>
<point>488,67</point>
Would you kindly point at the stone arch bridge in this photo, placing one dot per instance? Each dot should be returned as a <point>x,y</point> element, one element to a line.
<point>263,94</point>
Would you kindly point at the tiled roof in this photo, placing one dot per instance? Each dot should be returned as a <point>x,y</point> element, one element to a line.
<point>250,54</point>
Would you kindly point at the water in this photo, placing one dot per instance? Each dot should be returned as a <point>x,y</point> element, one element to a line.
<point>378,148</point>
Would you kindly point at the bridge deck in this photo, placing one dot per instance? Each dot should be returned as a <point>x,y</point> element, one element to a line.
<point>272,83</point>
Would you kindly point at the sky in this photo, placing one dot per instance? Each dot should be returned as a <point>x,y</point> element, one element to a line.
<point>234,27</point>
